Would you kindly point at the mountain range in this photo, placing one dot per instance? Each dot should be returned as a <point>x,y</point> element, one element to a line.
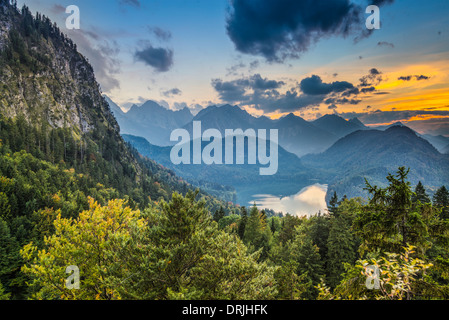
<point>150,120</point>
<point>372,154</point>
<point>331,150</point>
<point>296,135</point>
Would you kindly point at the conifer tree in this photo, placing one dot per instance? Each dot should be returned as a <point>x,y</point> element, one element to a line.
<point>242,223</point>
<point>333,204</point>
<point>441,201</point>
<point>420,194</point>
<point>219,214</point>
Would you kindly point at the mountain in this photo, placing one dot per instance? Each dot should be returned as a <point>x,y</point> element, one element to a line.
<point>445,150</point>
<point>439,142</point>
<point>291,175</point>
<point>358,123</point>
<point>372,154</point>
<point>301,137</point>
<point>385,127</point>
<point>337,125</point>
<point>51,106</point>
<point>296,135</point>
<point>150,120</point>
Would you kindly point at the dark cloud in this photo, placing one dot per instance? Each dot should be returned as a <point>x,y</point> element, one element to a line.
<point>280,29</point>
<point>160,33</point>
<point>369,89</point>
<point>385,44</point>
<point>236,90</point>
<point>171,92</point>
<point>259,83</point>
<point>342,101</point>
<point>315,86</point>
<point>263,94</point>
<point>381,2</point>
<point>160,59</point>
<point>417,77</point>
<point>372,79</point>
<point>230,91</point>
<point>374,72</point>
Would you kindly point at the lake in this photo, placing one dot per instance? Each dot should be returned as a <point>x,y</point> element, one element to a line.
<point>308,201</point>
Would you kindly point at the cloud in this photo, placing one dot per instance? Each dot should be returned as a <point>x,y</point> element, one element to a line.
<point>133,3</point>
<point>381,2</point>
<point>236,90</point>
<point>385,44</point>
<point>232,70</point>
<point>171,92</point>
<point>315,86</point>
<point>57,9</point>
<point>161,59</point>
<point>372,79</point>
<point>102,55</point>
<point>369,89</point>
<point>230,91</point>
<point>342,101</point>
<point>280,29</point>
<point>161,34</point>
<point>263,94</point>
<point>417,77</point>
<point>259,83</point>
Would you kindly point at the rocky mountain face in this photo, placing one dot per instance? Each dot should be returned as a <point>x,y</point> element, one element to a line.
<point>45,78</point>
<point>49,94</point>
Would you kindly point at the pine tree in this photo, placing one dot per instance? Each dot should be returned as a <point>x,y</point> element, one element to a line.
<point>333,204</point>
<point>390,222</point>
<point>243,221</point>
<point>219,214</point>
<point>310,265</point>
<point>420,194</point>
<point>441,201</point>
<point>257,234</point>
<point>341,249</point>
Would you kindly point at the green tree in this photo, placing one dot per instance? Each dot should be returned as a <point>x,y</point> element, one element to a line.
<point>441,201</point>
<point>86,242</point>
<point>389,222</point>
<point>306,254</point>
<point>401,276</point>
<point>257,233</point>
<point>181,254</point>
<point>3,294</point>
<point>219,214</point>
<point>333,204</point>
<point>242,223</point>
<point>342,243</point>
<point>289,223</point>
<point>420,194</point>
<point>290,286</point>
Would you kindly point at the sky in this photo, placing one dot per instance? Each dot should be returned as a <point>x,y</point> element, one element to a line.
<point>270,57</point>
